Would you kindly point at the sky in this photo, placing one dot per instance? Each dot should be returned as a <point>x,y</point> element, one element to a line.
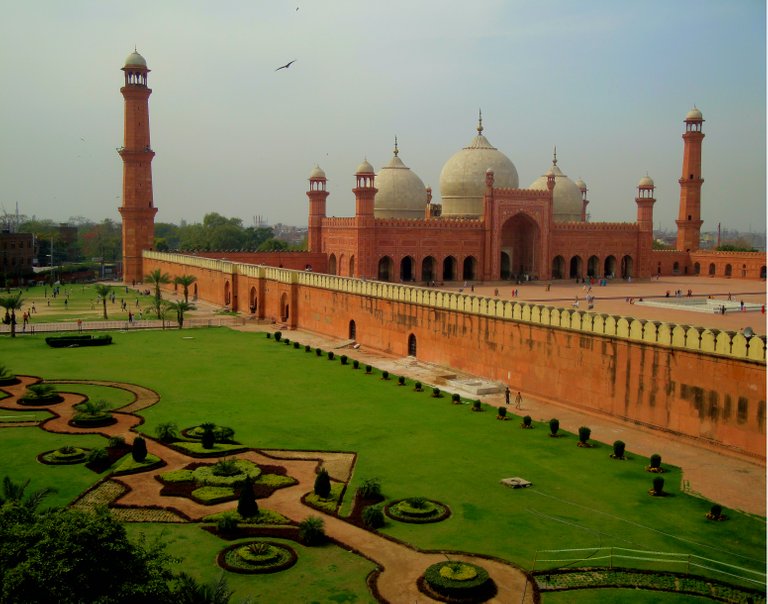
<point>609,83</point>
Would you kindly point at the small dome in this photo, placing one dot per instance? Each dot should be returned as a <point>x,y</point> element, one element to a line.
<point>694,114</point>
<point>317,172</point>
<point>364,168</point>
<point>135,60</point>
<point>462,179</point>
<point>582,185</point>
<point>401,193</point>
<point>646,181</point>
<point>566,196</point>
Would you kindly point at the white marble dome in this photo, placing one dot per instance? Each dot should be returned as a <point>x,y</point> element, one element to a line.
<point>462,179</point>
<point>364,168</point>
<point>645,181</point>
<point>566,196</point>
<point>401,193</point>
<point>694,114</point>
<point>135,60</point>
<point>317,172</point>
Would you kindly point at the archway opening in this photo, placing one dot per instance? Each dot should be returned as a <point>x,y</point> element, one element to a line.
<point>626,267</point>
<point>449,269</point>
<point>351,266</point>
<point>284,307</point>
<point>762,272</point>
<point>506,272</point>
<point>593,266</point>
<point>574,269</point>
<point>385,269</point>
<point>743,270</point>
<point>428,269</point>
<point>352,330</point>
<point>728,270</point>
<point>469,269</point>
<point>520,239</point>
<point>696,268</point>
<point>412,345</point>
<point>332,264</point>
<point>406,269</point>
<point>676,268</point>
<point>227,293</point>
<point>253,301</point>
<point>610,267</point>
<point>558,267</point>
<point>712,269</point>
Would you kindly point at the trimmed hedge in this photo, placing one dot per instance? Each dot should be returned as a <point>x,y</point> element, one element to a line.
<point>460,580</point>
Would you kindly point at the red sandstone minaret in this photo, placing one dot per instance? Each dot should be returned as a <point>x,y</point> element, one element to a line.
<point>317,196</point>
<point>138,211</point>
<point>689,218</point>
<point>365,195</point>
<point>644,201</point>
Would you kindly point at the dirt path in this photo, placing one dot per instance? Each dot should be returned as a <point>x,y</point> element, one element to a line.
<point>401,565</point>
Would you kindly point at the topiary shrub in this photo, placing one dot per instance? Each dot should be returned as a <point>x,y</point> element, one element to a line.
<point>322,484</point>
<point>287,341</point>
<point>477,406</point>
<point>312,530</point>
<point>97,456</point>
<point>343,359</point>
<point>658,487</point>
<point>455,398</point>
<point>436,393</point>
<point>139,449</point>
<point>618,449</point>
<point>554,426</point>
<point>502,413</point>
<point>385,375</point>
<point>458,582</point>
<point>247,506</point>
<point>368,368</point>
<point>331,356</point>
<point>307,348</point>
<point>227,523</point>
<point>296,345</point>
<point>373,517</point>
<point>319,352</point>
<point>278,335</point>
<point>716,513</point>
<point>527,422</point>
<point>584,434</point>
<point>369,489</point>
<point>655,465</point>
<point>269,336</point>
<point>208,439</point>
<point>401,380</point>
<point>417,387</point>
<point>355,364</point>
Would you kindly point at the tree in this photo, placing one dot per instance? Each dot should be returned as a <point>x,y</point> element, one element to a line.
<point>69,556</point>
<point>189,591</point>
<point>15,492</point>
<point>167,432</point>
<point>103,290</point>
<point>11,303</point>
<point>208,439</point>
<point>157,278</point>
<point>185,281</point>
<point>139,449</point>
<point>247,506</point>
<point>323,484</point>
<point>180,308</point>
<point>273,245</point>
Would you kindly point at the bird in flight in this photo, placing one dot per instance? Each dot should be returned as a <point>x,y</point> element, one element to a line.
<point>286,66</point>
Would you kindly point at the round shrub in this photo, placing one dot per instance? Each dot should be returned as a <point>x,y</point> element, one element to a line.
<point>401,380</point>
<point>554,426</point>
<point>369,489</point>
<point>307,348</point>
<point>221,434</point>
<point>322,484</point>
<point>373,517</point>
<point>436,393</point>
<point>460,581</point>
<point>296,345</point>
<point>116,441</point>
<point>618,449</point>
<point>385,375</point>
<point>655,462</point>
<point>455,398</point>
<point>502,413</point>
<point>368,368</point>
<point>527,422</point>
<point>319,352</point>
<point>417,510</point>
<point>477,406</point>
<point>584,434</point>
<point>287,341</point>
<point>208,439</point>
<point>257,557</point>
<point>343,359</point>
<point>658,486</point>
<point>312,530</point>
<point>97,456</point>
<point>330,356</point>
<point>417,386</point>
<point>227,523</point>
<point>355,364</point>
<point>269,335</point>
<point>716,513</point>
<point>278,335</point>
<point>139,449</point>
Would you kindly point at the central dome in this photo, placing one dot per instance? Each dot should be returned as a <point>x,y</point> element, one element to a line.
<point>462,180</point>
<point>566,196</point>
<point>401,193</point>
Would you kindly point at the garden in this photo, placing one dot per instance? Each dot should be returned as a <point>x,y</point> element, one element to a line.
<point>437,464</point>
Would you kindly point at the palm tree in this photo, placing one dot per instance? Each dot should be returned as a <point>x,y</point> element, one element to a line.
<point>158,278</point>
<point>189,591</point>
<point>185,281</point>
<point>179,308</point>
<point>11,303</point>
<point>14,492</point>
<point>103,290</point>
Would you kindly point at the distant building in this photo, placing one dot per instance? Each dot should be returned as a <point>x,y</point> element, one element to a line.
<point>17,252</point>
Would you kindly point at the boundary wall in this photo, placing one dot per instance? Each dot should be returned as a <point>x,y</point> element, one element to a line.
<point>694,381</point>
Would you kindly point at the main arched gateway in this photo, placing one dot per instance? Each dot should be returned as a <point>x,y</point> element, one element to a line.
<point>520,248</point>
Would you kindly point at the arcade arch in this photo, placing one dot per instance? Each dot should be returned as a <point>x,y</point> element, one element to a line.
<point>520,237</point>
<point>558,267</point>
<point>385,269</point>
<point>428,269</point>
<point>406,269</point>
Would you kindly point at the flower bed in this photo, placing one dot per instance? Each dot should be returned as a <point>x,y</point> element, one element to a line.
<point>417,510</point>
<point>211,495</point>
<point>457,582</point>
<point>128,465</point>
<point>257,557</point>
<point>63,456</point>
<point>92,420</point>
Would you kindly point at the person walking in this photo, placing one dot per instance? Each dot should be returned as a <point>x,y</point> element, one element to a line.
<point>506,395</point>
<point>518,400</point>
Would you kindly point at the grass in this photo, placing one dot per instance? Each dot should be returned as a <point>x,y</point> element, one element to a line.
<point>282,398</point>
<point>128,464</point>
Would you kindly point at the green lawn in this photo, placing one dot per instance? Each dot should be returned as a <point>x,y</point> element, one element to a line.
<point>278,397</point>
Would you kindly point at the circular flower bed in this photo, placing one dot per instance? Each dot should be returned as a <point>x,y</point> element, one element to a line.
<point>257,557</point>
<point>457,582</point>
<point>417,510</point>
<point>40,401</point>
<point>95,420</point>
<point>226,473</point>
<point>64,456</point>
<point>222,434</point>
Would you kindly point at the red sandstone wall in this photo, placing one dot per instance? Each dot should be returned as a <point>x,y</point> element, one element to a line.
<point>293,260</point>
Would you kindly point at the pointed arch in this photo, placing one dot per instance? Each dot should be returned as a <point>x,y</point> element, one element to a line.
<point>449,269</point>
<point>428,269</point>
<point>407,269</point>
<point>411,345</point>
<point>575,269</point>
<point>385,269</point>
<point>469,268</point>
<point>609,266</point>
<point>332,264</point>
<point>627,266</point>
<point>520,239</point>
<point>558,267</point>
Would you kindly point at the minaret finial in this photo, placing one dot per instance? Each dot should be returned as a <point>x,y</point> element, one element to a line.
<point>396,145</point>
<point>480,122</point>
<point>554,156</point>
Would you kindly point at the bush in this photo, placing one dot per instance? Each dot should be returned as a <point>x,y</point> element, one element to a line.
<point>287,341</point>
<point>296,345</point>
<point>435,392</point>
<point>322,484</point>
<point>208,438</point>
<point>417,386</point>
<point>502,413</point>
<point>554,426</point>
<point>370,489</point>
<point>455,398</point>
<point>584,434</point>
<point>246,503</point>
<point>312,530</point>
<point>269,335</point>
<point>319,352</point>
<point>368,368</point>
<point>167,432</point>
<point>278,335</point>
<point>460,581</point>
<point>401,380</point>
<point>116,441</point>
<point>716,510</point>
<point>385,375</point>
<point>527,421</point>
<point>618,449</point>
<point>658,486</point>
<point>227,523</point>
<point>373,517</point>
<point>656,461</point>
<point>355,364</point>
<point>307,348</point>
<point>225,467</point>
<point>477,406</point>
<point>330,356</point>
<point>139,449</point>
<point>343,359</point>
<point>97,456</point>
